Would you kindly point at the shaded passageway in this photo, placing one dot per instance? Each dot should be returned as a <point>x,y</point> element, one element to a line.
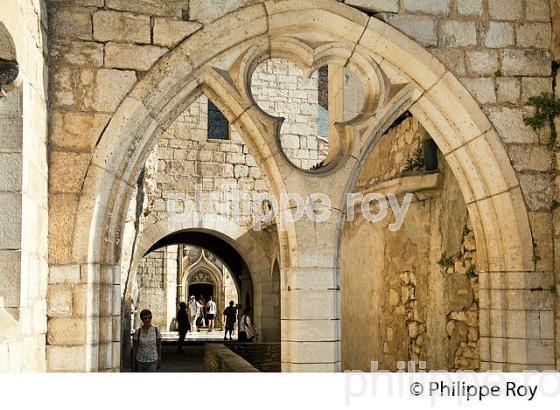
<point>190,360</point>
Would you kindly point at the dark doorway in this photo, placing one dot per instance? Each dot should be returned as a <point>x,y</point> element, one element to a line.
<point>204,289</point>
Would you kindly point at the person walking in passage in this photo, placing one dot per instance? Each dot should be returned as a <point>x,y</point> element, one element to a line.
<point>230,314</point>
<point>202,313</point>
<point>146,349</point>
<point>248,330</point>
<point>194,312</point>
<point>183,325</point>
<point>211,313</point>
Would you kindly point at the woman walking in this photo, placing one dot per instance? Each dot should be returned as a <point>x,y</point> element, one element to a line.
<point>248,331</point>
<point>146,350</point>
<point>183,325</point>
<point>211,313</point>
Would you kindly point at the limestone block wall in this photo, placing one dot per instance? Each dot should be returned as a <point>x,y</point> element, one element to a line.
<point>185,158</point>
<point>281,90</point>
<point>23,191</point>
<point>157,287</point>
<point>555,16</point>
<point>151,291</point>
<point>412,294</point>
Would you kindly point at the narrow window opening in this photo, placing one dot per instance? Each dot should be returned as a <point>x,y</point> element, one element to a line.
<point>218,125</point>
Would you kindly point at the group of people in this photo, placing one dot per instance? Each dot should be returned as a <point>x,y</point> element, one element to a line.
<point>146,348</point>
<point>247,328</point>
<point>200,312</point>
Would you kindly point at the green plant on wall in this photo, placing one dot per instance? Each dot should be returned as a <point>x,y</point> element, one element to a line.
<point>471,271</point>
<point>445,261</point>
<point>416,163</point>
<point>547,107</point>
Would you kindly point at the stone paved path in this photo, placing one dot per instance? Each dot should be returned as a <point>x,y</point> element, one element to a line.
<point>191,360</point>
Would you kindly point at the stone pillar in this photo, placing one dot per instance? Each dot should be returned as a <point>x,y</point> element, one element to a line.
<point>310,299</point>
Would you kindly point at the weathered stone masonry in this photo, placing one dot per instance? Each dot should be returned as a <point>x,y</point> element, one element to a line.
<point>120,73</point>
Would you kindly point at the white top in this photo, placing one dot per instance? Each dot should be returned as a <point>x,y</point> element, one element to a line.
<point>194,308</point>
<point>211,305</point>
<point>147,346</point>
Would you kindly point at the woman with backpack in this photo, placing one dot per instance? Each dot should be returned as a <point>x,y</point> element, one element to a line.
<point>146,349</point>
<point>248,331</point>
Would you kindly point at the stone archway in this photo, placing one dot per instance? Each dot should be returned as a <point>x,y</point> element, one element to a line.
<point>245,243</point>
<point>400,75</point>
<point>204,272</point>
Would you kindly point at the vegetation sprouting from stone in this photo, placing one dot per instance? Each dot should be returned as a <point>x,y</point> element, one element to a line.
<point>547,107</point>
<point>416,163</point>
<point>471,271</point>
<point>445,261</point>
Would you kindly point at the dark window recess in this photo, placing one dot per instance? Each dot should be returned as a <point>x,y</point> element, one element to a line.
<point>8,72</point>
<point>430,155</point>
<point>323,87</point>
<point>218,126</point>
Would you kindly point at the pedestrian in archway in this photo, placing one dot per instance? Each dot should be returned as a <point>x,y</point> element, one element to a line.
<point>248,331</point>
<point>146,350</point>
<point>202,309</point>
<point>230,314</point>
<point>183,325</point>
<point>211,313</point>
<point>194,312</point>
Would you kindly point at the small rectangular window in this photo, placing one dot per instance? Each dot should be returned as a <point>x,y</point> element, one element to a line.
<point>218,125</point>
<point>323,106</point>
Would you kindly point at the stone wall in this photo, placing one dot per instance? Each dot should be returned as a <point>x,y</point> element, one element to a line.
<point>399,289</point>
<point>23,191</point>
<point>264,356</point>
<point>281,90</point>
<point>157,287</point>
<point>554,287</point>
<point>185,158</point>
<point>499,49</point>
<point>218,358</point>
